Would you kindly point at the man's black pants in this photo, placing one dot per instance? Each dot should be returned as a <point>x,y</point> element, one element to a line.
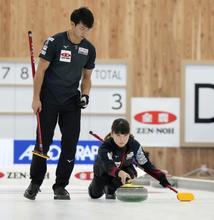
<point>68,118</point>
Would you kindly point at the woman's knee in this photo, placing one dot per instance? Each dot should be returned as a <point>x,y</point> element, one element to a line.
<point>94,193</point>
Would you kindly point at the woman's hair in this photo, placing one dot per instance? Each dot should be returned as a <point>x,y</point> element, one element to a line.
<point>83,15</point>
<point>120,126</point>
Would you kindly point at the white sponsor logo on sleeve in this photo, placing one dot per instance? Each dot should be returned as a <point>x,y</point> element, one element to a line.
<point>141,158</point>
<point>50,38</point>
<point>43,52</point>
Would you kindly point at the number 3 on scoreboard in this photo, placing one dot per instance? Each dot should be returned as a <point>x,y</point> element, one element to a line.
<point>117,98</point>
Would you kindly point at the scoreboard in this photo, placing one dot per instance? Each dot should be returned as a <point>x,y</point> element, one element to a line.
<point>108,99</point>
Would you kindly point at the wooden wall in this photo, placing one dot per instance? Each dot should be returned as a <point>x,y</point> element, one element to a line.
<point>153,35</point>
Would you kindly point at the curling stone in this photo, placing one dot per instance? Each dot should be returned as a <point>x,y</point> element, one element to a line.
<point>132,193</point>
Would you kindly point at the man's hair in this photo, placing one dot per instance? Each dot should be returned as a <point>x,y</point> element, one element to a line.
<point>83,15</point>
<point>120,126</point>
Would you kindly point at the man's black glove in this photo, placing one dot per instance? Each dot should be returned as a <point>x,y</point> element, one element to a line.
<point>84,100</point>
<point>163,180</point>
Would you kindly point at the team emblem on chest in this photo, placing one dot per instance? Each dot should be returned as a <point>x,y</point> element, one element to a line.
<point>65,56</point>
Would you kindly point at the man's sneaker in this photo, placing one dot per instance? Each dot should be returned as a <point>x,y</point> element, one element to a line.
<point>31,191</point>
<point>61,194</point>
<point>111,196</point>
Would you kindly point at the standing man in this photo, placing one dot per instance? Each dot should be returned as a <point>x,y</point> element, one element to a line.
<point>64,59</point>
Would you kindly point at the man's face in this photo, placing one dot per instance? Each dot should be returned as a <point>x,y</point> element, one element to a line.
<point>80,30</point>
<point>120,139</point>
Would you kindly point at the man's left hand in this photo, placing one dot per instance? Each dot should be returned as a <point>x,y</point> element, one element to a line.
<point>84,100</point>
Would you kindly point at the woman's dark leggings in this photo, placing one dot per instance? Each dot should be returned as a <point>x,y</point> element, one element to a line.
<point>104,184</point>
<point>107,184</point>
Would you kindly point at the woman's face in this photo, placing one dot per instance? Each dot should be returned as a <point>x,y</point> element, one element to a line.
<point>120,139</point>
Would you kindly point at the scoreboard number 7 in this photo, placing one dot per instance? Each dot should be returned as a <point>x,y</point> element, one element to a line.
<point>5,71</point>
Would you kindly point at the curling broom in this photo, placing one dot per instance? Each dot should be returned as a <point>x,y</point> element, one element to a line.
<point>39,152</point>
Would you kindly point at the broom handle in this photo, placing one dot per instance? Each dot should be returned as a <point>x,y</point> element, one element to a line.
<point>33,74</point>
<point>173,189</point>
<point>99,138</point>
<point>96,136</point>
<point>31,53</point>
<point>39,131</point>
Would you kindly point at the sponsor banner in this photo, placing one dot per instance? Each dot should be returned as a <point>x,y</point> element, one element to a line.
<point>6,152</point>
<point>197,104</point>
<point>85,154</point>
<point>82,175</point>
<point>155,121</point>
<point>17,175</point>
<point>20,175</point>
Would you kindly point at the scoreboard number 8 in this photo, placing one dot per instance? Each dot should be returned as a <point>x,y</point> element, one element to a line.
<point>24,73</point>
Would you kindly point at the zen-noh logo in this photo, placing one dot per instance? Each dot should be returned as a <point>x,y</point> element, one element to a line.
<point>155,117</point>
<point>86,175</point>
<point>2,174</point>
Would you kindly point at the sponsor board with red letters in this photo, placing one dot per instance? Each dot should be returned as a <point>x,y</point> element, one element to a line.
<point>20,175</point>
<point>155,121</point>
